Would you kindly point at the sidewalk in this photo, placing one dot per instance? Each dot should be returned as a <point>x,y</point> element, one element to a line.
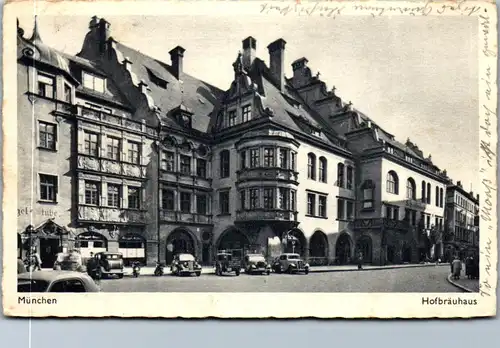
<point>467,285</point>
<point>313,269</point>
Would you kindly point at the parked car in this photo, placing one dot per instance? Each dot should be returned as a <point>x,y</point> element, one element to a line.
<point>226,263</point>
<point>185,264</point>
<point>256,263</point>
<point>290,263</point>
<point>71,261</point>
<point>109,263</point>
<point>55,281</point>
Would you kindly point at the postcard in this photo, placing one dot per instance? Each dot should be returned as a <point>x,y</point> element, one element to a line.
<point>250,159</point>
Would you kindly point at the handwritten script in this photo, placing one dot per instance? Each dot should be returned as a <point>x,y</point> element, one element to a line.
<point>323,9</point>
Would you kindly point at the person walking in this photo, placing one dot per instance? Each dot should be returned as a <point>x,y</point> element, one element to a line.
<point>360,260</point>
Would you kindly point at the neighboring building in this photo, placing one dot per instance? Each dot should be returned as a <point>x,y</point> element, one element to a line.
<point>461,235</point>
<point>127,153</point>
<point>400,193</point>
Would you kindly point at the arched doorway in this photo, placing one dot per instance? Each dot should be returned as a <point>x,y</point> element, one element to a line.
<point>364,244</point>
<point>295,242</point>
<point>318,249</point>
<point>133,248</point>
<point>179,241</point>
<point>343,249</point>
<point>88,242</point>
<point>406,257</point>
<point>233,240</point>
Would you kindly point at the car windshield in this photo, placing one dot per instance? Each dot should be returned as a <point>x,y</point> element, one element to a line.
<point>293,256</point>
<point>224,257</point>
<point>31,285</point>
<point>186,257</point>
<point>256,258</point>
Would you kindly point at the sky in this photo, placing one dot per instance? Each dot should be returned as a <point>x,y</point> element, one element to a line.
<point>414,76</point>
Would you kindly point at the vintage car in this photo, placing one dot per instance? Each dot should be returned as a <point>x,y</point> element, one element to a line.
<point>256,263</point>
<point>70,261</point>
<point>55,281</point>
<point>226,263</point>
<point>290,263</point>
<point>185,264</point>
<point>109,263</point>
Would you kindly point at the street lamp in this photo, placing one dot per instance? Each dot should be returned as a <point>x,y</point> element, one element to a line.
<point>288,237</point>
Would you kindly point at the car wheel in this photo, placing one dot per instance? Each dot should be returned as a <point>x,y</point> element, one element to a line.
<point>307,271</point>
<point>290,270</point>
<point>268,272</point>
<point>237,272</point>
<point>120,276</point>
<point>198,274</point>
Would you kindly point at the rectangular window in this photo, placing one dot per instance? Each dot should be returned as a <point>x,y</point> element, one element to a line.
<point>243,159</point>
<point>167,199</point>
<point>92,193</point>
<point>246,113</point>
<point>48,188</point>
<point>93,82</point>
<point>340,209</point>
<point>268,198</point>
<point>395,213</point>
<point>428,221</point>
<point>201,204</point>
<point>350,210</point>
<point>67,93</point>
<point>268,157</point>
<point>254,198</point>
<point>293,200</point>
<point>168,161</point>
<point>311,204</point>
<point>46,86</point>
<point>48,136</point>
<point>350,178</point>
<point>114,195</point>
<point>224,202</point>
<point>224,164</point>
<point>283,159</point>
<point>231,118</point>
<point>91,144</point>
<point>113,149</point>
<point>201,168</point>
<point>284,198</point>
<point>340,175</point>
<point>185,202</point>
<point>254,158</point>
<point>322,206</point>
<point>293,160</point>
<point>133,152</point>
<point>243,196</point>
<point>134,197</point>
<point>185,165</point>
<point>367,198</point>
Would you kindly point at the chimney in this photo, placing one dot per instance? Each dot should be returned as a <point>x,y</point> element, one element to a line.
<point>477,197</point>
<point>143,86</point>
<point>103,33</point>
<point>249,47</point>
<point>459,184</point>
<point>176,56</point>
<point>277,61</point>
<point>127,64</point>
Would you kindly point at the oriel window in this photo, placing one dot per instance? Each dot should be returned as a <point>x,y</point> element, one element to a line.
<point>114,195</point>
<point>113,148</point>
<point>133,152</point>
<point>48,188</point>
<point>134,198</point>
<point>46,86</point>
<point>254,158</point>
<point>201,204</point>
<point>268,157</point>
<point>185,202</point>
<point>185,165</point>
<point>91,143</point>
<point>283,159</point>
<point>254,198</point>
<point>92,193</point>
<point>67,93</point>
<point>246,113</point>
<point>268,198</point>
<point>48,136</point>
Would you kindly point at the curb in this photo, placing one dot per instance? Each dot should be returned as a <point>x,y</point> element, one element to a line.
<point>312,270</point>
<point>461,287</point>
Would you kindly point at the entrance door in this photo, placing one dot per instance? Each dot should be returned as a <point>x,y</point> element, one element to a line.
<point>206,254</point>
<point>48,251</point>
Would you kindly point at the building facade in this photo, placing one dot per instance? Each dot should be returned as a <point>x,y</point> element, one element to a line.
<point>127,153</point>
<point>461,235</point>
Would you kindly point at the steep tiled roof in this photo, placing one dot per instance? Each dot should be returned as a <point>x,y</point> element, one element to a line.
<point>196,95</point>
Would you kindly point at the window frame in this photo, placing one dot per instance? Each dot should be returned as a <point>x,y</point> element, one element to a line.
<point>224,204</point>
<point>165,199</point>
<point>113,147</point>
<point>183,194</point>
<point>131,152</point>
<point>112,196</point>
<point>54,135</point>
<point>97,191</point>
<point>225,163</point>
<point>53,85</point>
<point>322,208</point>
<point>54,185</point>
<point>87,139</point>
<point>94,78</point>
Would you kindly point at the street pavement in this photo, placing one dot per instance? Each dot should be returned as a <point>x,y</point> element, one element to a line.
<point>404,279</point>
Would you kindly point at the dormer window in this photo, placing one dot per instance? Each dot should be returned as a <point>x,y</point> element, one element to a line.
<point>46,85</point>
<point>93,82</point>
<point>156,78</point>
<point>183,116</point>
<point>186,120</point>
<point>315,132</point>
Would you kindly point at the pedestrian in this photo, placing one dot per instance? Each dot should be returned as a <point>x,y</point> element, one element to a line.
<point>360,260</point>
<point>36,258</point>
<point>456,268</point>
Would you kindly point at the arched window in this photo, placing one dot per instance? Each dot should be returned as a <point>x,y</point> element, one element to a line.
<point>368,188</point>
<point>437,197</point>
<point>350,178</point>
<point>441,197</point>
<point>392,182</point>
<point>428,197</point>
<point>410,189</point>
<point>340,175</point>
<point>311,166</point>
<point>423,192</point>
<point>322,169</point>
<point>224,164</point>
